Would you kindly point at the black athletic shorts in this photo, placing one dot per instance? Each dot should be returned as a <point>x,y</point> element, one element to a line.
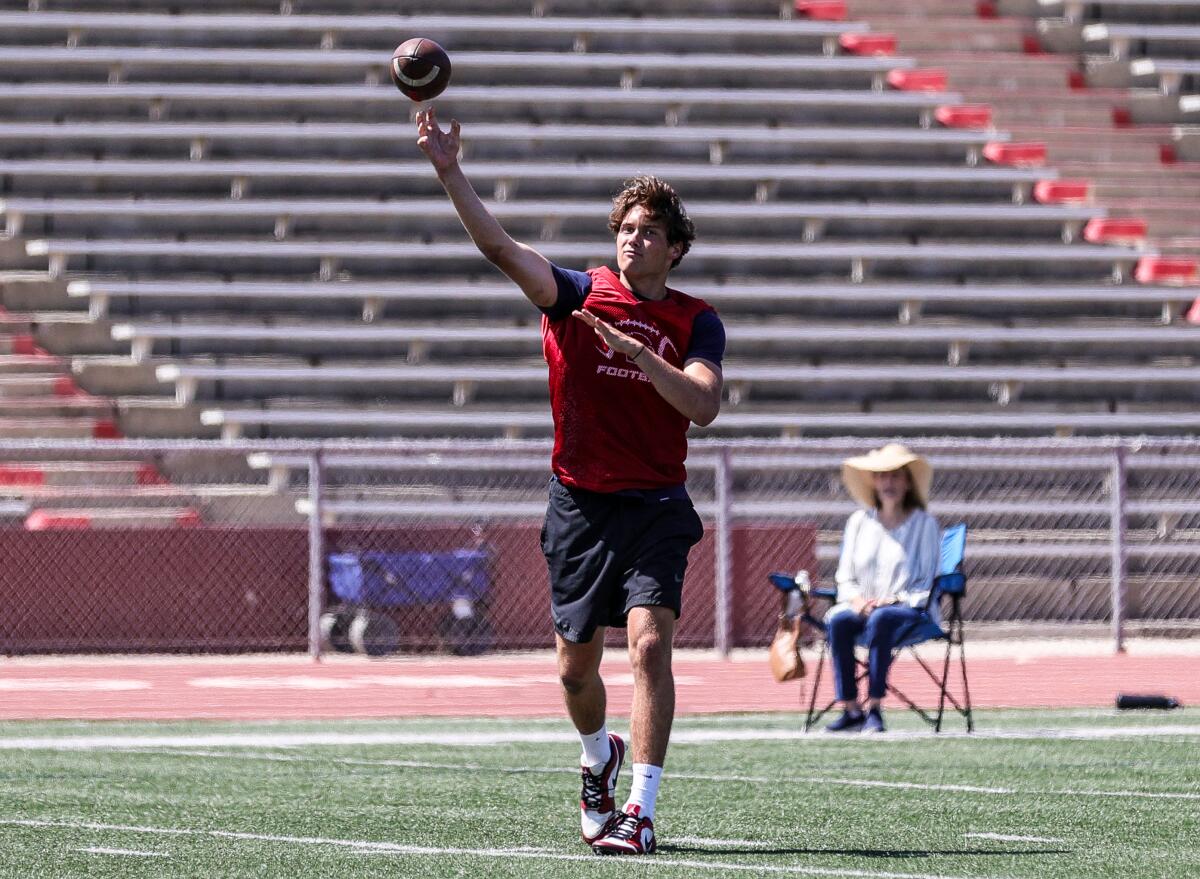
<point>608,553</point>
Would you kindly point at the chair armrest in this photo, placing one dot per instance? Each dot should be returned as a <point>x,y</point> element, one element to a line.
<point>782,582</point>
<point>950,584</point>
<point>829,595</point>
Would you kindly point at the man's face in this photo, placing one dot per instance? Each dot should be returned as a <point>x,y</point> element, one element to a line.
<point>642,248</point>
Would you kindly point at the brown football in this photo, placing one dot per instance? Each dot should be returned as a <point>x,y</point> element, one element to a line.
<point>420,68</point>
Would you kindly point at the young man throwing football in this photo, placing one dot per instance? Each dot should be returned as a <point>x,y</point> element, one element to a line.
<point>632,364</point>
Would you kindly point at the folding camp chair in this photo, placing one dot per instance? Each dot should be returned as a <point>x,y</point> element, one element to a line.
<point>950,582</point>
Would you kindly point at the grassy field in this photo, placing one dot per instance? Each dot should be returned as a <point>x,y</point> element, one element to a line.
<point>1035,794</point>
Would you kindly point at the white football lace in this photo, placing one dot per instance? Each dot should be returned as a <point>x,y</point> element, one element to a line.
<point>625,827</point>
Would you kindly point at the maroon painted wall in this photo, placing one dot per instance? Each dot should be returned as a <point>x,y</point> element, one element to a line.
<point>240,589</point>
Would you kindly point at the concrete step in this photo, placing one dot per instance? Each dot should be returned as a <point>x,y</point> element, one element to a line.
<point>914,36</point>
<point>74,337</point>
<point>1010,114</point>
<point>135,496</point>
<point>1100,152</point>
<point>39,385</point>
<point>56,428</point>
<point>57,407</point>
<point>956,9</point>
<point>114,376</point>
<point>160,417</point>
<point>14,258</point>
<point>12,364</point>
<point>31,291</point>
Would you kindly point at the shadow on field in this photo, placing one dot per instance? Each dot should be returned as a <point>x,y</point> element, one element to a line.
<point>857,852</point>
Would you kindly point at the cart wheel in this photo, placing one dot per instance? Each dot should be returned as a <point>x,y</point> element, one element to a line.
<point>335,629</point>
<point>466,631</point>
<point>373,634</point>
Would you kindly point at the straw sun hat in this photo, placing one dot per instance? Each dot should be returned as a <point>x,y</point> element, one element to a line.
<point>857,472</point>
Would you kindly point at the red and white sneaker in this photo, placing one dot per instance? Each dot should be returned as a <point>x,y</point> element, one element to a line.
<point>628,834</point>
<point>596,805</point>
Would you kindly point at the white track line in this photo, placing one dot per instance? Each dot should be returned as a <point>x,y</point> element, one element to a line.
<point>661,861</point>
<point>408,681</point>
<point>1004,837</point>
<point>68,685</point>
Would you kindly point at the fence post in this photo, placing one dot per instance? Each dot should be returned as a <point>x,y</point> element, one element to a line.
<point>1117,516</point>
<point>724,562</point>
<point>316,554</point>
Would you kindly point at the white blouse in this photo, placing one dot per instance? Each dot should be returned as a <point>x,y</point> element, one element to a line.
<point>877,562</point>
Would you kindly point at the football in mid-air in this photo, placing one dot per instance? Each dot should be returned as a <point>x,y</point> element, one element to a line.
<point>420,68</point>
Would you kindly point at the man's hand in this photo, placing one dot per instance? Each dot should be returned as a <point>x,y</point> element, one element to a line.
<point>694,391</point>
<point>614,338</point>
<point>440,147</point>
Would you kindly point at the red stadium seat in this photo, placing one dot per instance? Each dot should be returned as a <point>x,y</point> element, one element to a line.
<point>1020,155</point>
<point>868,44</point>
<point>1115,230</point>
<point>1168,270</point>
<point>25,345</point>
<point>932,79</point>
<point>822,10</point>
<point>1193,314</point>
<point>964,116</point>
<point>1063,191</point>
<point>64,386</point>
<point>106,429</point>
<point>15,474</point>
<point>44,520</point>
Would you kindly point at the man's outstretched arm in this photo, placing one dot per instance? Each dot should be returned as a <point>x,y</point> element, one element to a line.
<point>527,268</point>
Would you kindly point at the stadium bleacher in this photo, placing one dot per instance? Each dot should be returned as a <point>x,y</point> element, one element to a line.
<point>946,216</point>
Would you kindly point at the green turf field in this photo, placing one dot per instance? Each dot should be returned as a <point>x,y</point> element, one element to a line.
<point>1029,797</point>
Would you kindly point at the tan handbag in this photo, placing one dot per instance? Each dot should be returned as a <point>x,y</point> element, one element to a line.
<point>784,655</point>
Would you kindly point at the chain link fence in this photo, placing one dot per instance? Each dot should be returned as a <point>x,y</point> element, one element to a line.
<point>433,546</point>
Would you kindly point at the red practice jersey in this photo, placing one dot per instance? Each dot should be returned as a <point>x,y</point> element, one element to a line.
<point>612,429</point>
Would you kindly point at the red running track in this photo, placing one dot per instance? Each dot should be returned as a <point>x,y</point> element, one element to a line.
<point>294,687</point>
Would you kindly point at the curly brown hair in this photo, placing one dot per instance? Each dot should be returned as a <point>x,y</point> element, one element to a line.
<point>660,200</point>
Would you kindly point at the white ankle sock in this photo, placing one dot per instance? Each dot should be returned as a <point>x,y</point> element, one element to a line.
<point>644,792</point>
<point>596,748</point>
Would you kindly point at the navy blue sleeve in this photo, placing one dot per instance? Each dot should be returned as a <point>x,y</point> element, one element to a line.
<point>708,338</point>
<point>573,288</point>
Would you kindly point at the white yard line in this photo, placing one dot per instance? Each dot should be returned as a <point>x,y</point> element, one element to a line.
<point>689,776</point>
<point>273,739</point>
<point>1004,837</point>
<point>661,861</point>
<point>721,843</point>
<point>126,852</point>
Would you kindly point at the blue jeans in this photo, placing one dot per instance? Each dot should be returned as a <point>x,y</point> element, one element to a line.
<point>878,632</point>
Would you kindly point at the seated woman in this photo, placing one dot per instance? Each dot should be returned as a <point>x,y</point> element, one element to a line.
<point>889,556</point>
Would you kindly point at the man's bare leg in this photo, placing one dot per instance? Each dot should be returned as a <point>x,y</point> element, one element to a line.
<point>650,632</point>
<point>603,753</point>
<point>583,689</point>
